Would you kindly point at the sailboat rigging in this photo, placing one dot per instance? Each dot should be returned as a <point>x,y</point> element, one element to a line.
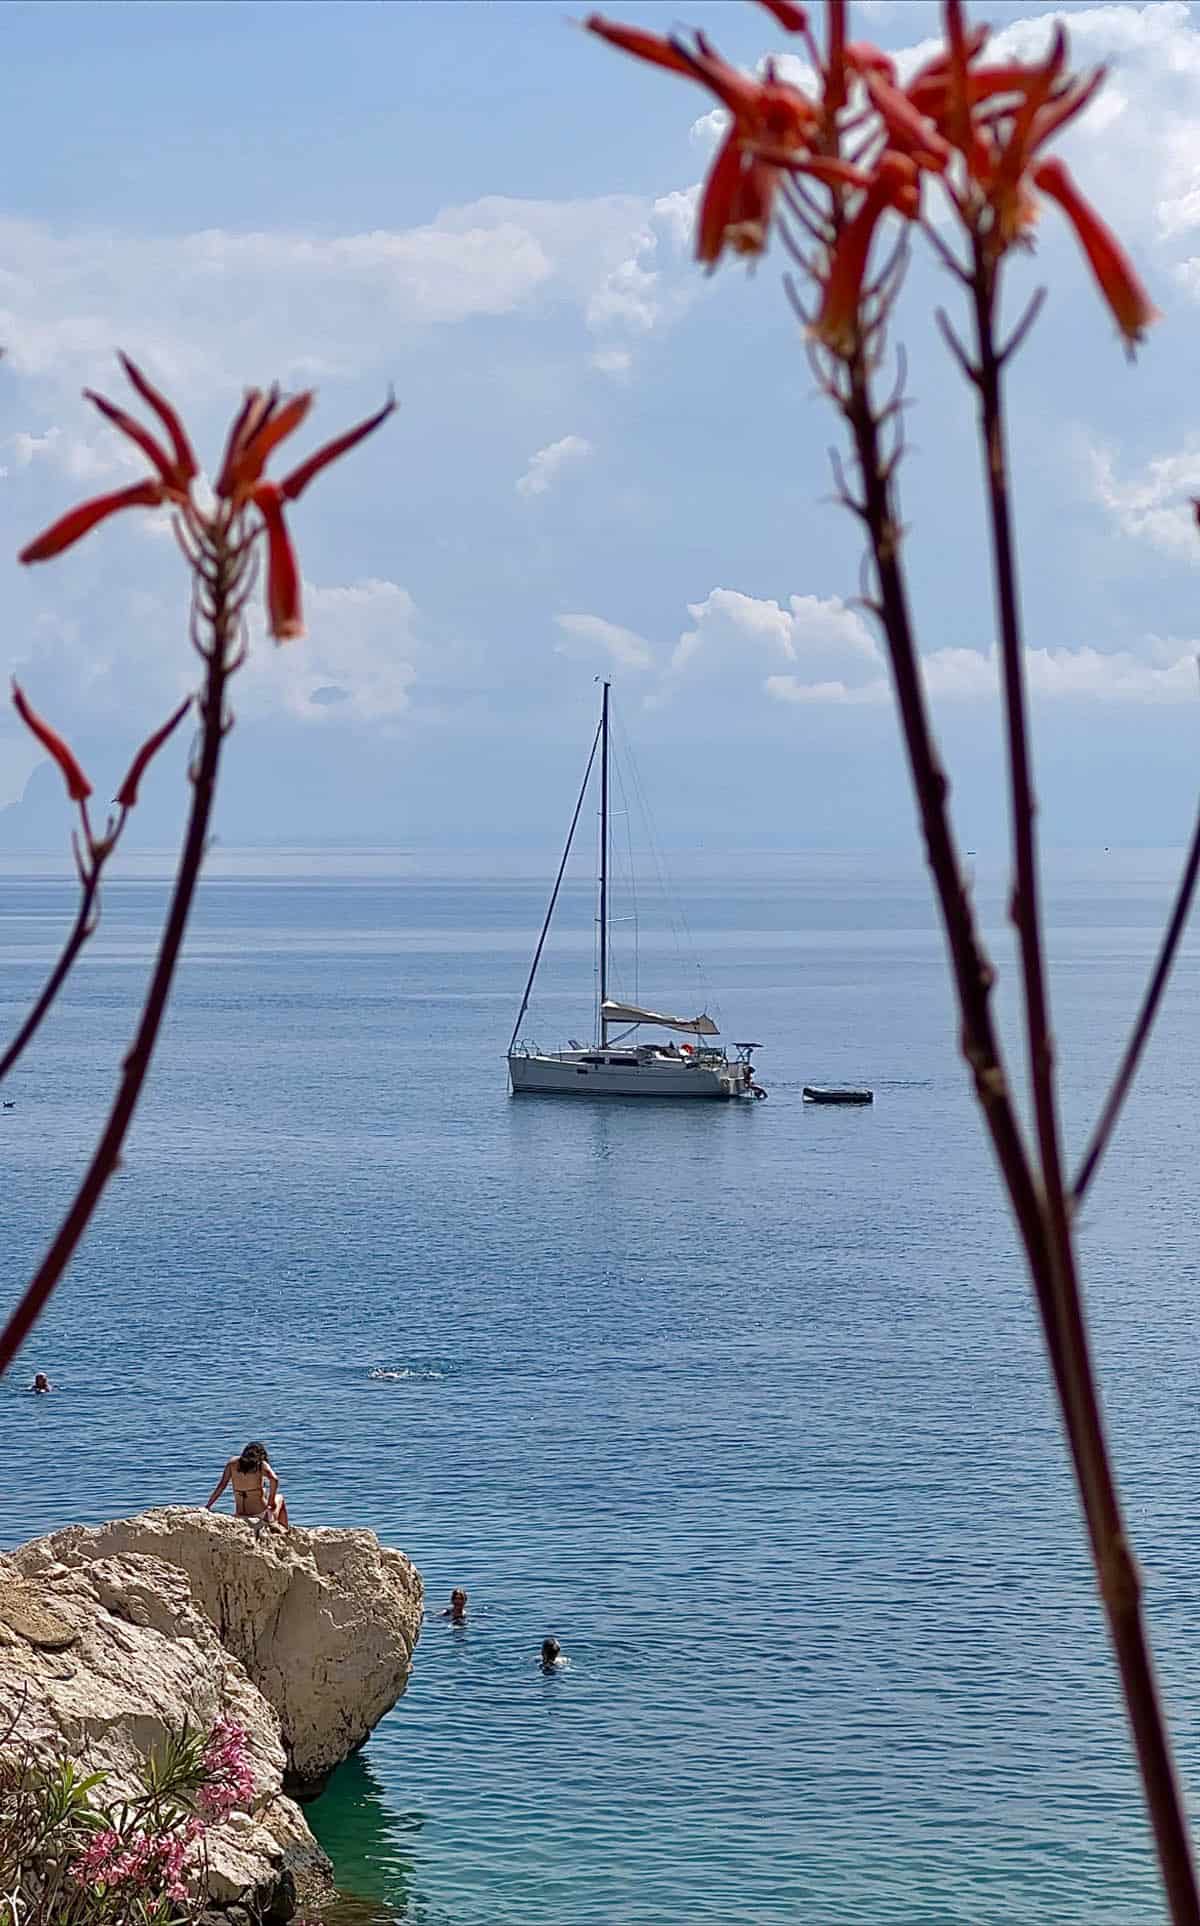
<point>630,1068</point>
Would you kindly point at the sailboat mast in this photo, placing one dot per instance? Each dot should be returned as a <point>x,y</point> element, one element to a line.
<point>603,1025</point>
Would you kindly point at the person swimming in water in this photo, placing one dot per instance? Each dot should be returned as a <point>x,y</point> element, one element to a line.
<point>256,1492</point>
<point>553,1656</point>
<point>456,1610</point>
<point>41,1383</point>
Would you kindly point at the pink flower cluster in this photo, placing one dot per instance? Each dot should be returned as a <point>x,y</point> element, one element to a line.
<point>154,1863</point>
<point>226,1766</point>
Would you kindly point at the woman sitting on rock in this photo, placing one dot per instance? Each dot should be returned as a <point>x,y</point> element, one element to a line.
<point>256,1492</point>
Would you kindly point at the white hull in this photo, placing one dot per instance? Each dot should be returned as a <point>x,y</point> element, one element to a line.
<point>591,1073</point>
<point>630,1068</point>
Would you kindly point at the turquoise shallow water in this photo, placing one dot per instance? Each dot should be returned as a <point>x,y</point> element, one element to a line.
<point>744,1404</point>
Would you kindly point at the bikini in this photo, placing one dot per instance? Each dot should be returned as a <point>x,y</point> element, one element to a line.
<point>252,1487</point>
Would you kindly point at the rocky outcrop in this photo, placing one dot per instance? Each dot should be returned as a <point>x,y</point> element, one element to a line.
<point>113,1635</point>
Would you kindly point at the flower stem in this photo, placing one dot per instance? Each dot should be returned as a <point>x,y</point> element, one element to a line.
<point>84,924</point>
<point>1056,1274</point>
<point>221,657</point>
<point>972,969</point>
<point>1139,1036</point>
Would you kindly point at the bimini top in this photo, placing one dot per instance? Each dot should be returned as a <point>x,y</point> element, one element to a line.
<point>697,1026</point>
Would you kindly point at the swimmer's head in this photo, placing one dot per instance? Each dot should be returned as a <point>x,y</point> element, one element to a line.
<point>40,1381</point>
<point>254,1457</point>
<point>458,1598</point>
<point>551,1651</point>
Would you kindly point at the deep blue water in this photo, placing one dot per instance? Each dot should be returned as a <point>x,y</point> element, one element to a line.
<point>746,1404</point>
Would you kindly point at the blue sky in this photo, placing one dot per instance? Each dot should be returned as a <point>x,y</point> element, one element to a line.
<point>603,462</point>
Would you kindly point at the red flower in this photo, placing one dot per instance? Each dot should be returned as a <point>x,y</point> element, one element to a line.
<point>894,185</point>
<point>908,130</point>
<point>262,422</point>
<point>78,786</point>
<point>1131,306</point>
<point>127,794</point>
<point>264,427</point>
<point>769,117</point>
<point>999,119</point>
<point>791,18</point>
<point>78,522</point>
<point>185,460</point>
<point>284,616</point>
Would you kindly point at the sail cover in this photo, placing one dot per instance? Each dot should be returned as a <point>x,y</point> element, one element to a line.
<point>698,1026</point>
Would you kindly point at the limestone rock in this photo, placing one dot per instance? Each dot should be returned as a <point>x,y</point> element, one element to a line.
<point>111,1636</point>
<point>324,1621</point>
<point>123,1686</point>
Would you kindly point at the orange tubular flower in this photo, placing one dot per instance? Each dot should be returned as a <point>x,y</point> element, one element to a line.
<point>262,422</point>
<point>1131,306</point>
<point>293,486</point>
<point>716,206</point>
<point>908,131</point>
<point>894,185</point>
<point>78,786</point>
<point>642,45</point>
<point>769,117</point>
<point>185,461</point>
<point>792,19</point>
<point>78,522</point>
<point>127,794</point>
<point>999,119</point>
<point>284,614</point>
<point>262,425</point>
<point>863,58</point>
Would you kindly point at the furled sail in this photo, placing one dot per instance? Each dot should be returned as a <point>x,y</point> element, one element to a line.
<point>698,1026</point>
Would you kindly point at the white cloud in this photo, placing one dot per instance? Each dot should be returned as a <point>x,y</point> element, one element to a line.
<point>638,293</point>
<point>546,466</point>
<point>72,455</point>
<point>1154,506</point>
<point>586,633</point>
<point>211,308</point>
<point>968,675</point>
<point>366,650</point>
<point>616,362</point>
<point>816,651</point>
<point>744,631</point>
<point>358,662</point>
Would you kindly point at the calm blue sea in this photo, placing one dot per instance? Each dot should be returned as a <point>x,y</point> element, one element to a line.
<point>744,1404</point>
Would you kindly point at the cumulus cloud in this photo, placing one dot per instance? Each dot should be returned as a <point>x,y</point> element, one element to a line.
<point>366,650</point>
<point>71,454</point>
<point>1154,505</point>
<point>649,285</point>
<point>587,633</point>
<point>815,651</point>
<point>730,628</point>
<point>358,662</point>
<point>203,306</point>
<point>546,466</point>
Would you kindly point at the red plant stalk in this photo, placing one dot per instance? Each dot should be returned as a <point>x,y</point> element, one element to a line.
<point>219,643</point>
<point>219,546</point>
<point>979,129</point>
<point>1054,1280</point>
<point>1118,1579</point>
<point>85,922</point>
<point>91,855</point>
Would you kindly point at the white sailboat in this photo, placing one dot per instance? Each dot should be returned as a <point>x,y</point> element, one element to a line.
<point>624,1066</point>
